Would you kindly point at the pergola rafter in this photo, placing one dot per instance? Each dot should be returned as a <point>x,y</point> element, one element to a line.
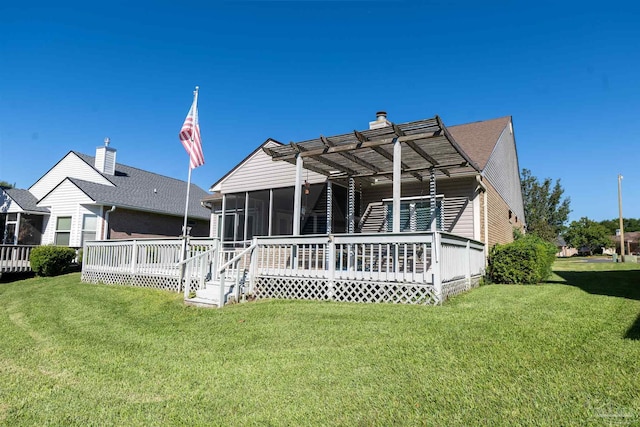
<point>377,154</point>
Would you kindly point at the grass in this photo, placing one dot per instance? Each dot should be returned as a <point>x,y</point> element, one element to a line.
<point>563,353</point>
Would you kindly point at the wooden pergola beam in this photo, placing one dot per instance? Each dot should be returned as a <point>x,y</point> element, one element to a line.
<point>384,153</point>
<point>320,159</point>
<point>351,157</point>
<point>420,151</point>
<point>355,145</point>
<point>404,170</point>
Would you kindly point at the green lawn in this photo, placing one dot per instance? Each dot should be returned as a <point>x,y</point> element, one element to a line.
<point>563,353</point>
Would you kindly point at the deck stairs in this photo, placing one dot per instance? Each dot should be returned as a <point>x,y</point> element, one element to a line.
<point>210,294</point>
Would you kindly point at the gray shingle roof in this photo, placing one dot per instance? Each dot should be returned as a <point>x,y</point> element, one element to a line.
<point>142,190</point>
<point>25,200</point>
<point>478,139</point>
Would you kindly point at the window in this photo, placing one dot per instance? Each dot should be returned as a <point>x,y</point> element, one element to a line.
<point>63,230</point>
<point>89,223</point>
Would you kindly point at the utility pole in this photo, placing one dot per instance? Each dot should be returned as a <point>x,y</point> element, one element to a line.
<point>621,221</point>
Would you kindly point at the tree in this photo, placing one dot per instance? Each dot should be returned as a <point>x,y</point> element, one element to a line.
<point>545,210</point>
<point>587,233</point>
<point>630,224</point>
<point>5,184</point>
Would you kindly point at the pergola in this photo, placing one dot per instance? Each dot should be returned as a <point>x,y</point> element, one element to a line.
<point>416,150</point>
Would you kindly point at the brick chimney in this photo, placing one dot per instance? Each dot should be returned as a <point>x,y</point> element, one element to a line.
<point>106,158</point>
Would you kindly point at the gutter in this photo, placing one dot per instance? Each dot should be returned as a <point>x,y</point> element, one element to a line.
<point>482,187</point>
<point>106,221</point>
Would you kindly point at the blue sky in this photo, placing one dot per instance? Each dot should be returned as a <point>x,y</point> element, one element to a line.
<point>569,74</point>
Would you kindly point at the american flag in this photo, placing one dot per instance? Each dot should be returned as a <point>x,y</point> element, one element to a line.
<point>190,136</point>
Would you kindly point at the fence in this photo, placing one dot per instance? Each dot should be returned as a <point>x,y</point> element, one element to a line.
<point>150,263</point>
<point>15,258</point>
<point>417,268</point>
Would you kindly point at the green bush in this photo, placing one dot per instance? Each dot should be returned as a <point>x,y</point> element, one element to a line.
<point>525,261</point>
<point>51,260</point>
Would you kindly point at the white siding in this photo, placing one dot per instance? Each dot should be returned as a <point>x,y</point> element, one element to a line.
<point>259,172</point>
<point>71,166</point>
<point>502,171</point>
<point>67,200</point>
<point>7,204</point>
<point>458,204</point>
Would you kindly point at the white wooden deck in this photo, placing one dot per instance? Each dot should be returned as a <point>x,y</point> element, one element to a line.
<point>418,268</point>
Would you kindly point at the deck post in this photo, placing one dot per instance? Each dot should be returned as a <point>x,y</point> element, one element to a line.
<point>270,232</point>
<point>331,268</point>
<point>432,200</point>
<point>224,214</point>
<point>297,196</point>
<point>468,262</point>
<point>329,206</point>
<point>351,206</point>
<point>253,266</point>
<point>397,176</point>
<point>134,256</point>
<point>246,215</point>
<point>436,268</point>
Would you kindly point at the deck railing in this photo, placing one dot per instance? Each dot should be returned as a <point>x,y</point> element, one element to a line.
<point>15,258</point>
<point>437,259</point>
<point>143,262</point>
<point>425,267</point>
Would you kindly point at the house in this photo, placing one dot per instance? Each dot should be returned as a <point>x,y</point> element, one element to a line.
<point>400,213</point>
<point>347,181</point>
<point>86,197</point>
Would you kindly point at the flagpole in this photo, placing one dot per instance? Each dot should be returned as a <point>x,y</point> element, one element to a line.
<point>186,205</point>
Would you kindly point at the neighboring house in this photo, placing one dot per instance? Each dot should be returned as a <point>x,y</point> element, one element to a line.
<point>631,242</point>
<point>564,250</point>
<point>94,198</point>
<point>21,219</point>
<point>347,183</point>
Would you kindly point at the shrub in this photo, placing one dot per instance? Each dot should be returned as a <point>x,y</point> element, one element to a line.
<point>51,260</point>
<point>527,260</point>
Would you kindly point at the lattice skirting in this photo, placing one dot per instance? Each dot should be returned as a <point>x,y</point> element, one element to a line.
<point>146,281</point>
<point>455,287</point>
<point>344,290</point>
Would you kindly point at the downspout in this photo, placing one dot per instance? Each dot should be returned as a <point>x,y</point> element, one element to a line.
<point>106,223</point>
<point>483,188</point>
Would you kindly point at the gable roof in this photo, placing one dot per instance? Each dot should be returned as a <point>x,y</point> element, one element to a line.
<point>478,139</point>
<point>143,190</point>
<point>25,200</point>
<point>243,161</point>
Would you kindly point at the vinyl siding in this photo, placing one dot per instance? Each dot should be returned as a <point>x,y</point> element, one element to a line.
<point>7,204</point>
<point>259,172</point>
<point>502,171</point>
<point>68,200</point>
<point>70,166</point>
<point>458,203</point>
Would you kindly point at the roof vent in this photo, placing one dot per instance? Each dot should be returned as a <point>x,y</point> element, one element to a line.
<point>380,121</point>
<point>106,158</point>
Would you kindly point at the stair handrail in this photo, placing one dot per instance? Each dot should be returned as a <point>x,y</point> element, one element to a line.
<point>367,212</point>
<point>188,264</point>
<point>223,268</point>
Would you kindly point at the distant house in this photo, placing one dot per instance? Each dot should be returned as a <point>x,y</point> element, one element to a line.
<point>86,197</point>
<point>563,249</point>
<point>348,187</point>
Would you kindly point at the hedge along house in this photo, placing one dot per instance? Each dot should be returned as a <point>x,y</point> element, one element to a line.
<point>360,181</point>
<point>86,197</point>
<point>400,213</point>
